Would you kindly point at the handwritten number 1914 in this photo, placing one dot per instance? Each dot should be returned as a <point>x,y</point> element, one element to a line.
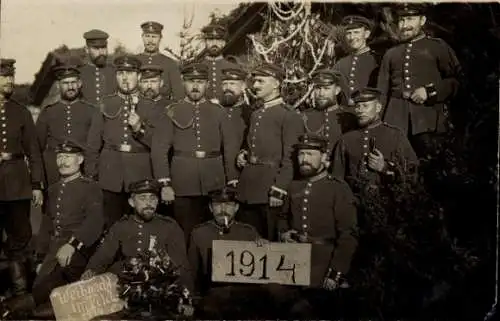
<point>248,265</point>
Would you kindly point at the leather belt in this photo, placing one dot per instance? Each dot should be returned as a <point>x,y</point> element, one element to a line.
<point>4,156</point>
<point>255,160</point>
<point>126,148</point>
<point>200,154</point>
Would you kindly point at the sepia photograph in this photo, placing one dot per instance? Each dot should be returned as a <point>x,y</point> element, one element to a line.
<point>225,160</point>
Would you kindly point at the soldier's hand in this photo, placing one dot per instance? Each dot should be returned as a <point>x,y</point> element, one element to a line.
<point>233,183</point>
<point>376,161</point>
<point>134,121</point>
<point>37,199</point>
<point>64,254</point>
<point>88,274</point>
<point>419,95</point>
<point>261,242</point>
<point>186,310</point>
<point>287,236</point>
<point>275,202</point>
<point>167,194</point>
<point>38,267</point>
<point>329,284</point>
<point>241,160</point>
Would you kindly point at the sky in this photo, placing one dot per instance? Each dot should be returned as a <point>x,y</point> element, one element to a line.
<point>29,29</point>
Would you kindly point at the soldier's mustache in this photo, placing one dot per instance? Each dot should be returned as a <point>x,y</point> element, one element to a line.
<point>195,91</point>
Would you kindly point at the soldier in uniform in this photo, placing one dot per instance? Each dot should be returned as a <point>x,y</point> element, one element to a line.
<point>151,37</point>
<point>70,231</point>
<point>21,175</point>
<point>233,99</point>
<point>215,40</point>
<point>374,153</point>
<point>151,83</point>
<point>327,117</point>
<point>267,162</point>
<point>136,233</point>
<point>417,78</point>
<point>320,210</point>
<point>97,74</point>
<point>360,67</point>
<point>115,156</point>
<point>69,118</point>
<point>204,150</point>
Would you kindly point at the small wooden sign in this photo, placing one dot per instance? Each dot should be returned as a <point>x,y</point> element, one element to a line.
<point>84,300</point>
<point>246,262</point>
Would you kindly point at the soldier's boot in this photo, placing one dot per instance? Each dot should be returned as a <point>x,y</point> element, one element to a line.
<point>19,277</point>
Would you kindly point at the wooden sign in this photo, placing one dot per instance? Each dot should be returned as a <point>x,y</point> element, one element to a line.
<point>84,300</point>
<point>246,262</point>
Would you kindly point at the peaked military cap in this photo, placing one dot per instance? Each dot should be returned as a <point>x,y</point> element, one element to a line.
<point>152,27</point>
<point>145,186</point>
<point>70,147</point>
<point>150,71</point>
<point>127,62</point>
<point>96,38</point>
<point>325,77</point>
<point>214,31</point>
<point>269,70</point>
<point>65,71</point>
<point>410,9</point>
<point>226,194</point>
<point>194,70</point>
<point>7,67</point>
<point>233,72</point>
<point>354,21</point>
<point>366,94</point>
<point>312,141</point>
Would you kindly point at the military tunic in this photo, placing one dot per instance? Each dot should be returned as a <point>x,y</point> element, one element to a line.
<point>272,132</point>
<point>114,155</point>
<point>162,102</point>
<point>408,66</point>
<point>358,71</point>
<point>200,247</point>
<point>172,83</point>
<point>59,122</point>
<point>351,152</point>
<point>97,82</point>
<point>215,66</point>
<point>239,117</point>
<point>323,208</point>
<point>204,148</point>
<point>18,140</point>
<point>74,209</point>
<point>129,237</point>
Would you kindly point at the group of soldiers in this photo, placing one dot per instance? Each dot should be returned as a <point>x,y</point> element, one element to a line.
<point>144,147</point>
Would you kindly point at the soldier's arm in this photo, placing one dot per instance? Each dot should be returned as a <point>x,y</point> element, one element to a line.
<point>175,82</point>
<point>42,128</point>
<point>383,79</point>
<point>450,70</point>
<point>91,228</point>
<point>338,162</point>
<point>43,237</point>
<point>285,216</point>
<point>291,130</point>
<point>32,149</point>
<point>195,262</point>
<point>106,251</point>
<point>161,142</point>
<point>230,147</point>
<point>346,226</point>
<point>94,145</point>
<point>176,248</point>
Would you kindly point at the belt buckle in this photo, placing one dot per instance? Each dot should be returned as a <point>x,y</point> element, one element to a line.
<point>6,156</point>
<point>253,159</point>
<point>200,154</point>
<point>125,148</point>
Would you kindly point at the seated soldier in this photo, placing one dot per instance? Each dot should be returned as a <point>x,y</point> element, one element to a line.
<point>132,235</point>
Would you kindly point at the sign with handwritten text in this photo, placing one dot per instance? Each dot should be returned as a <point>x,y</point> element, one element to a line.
<point>247,262</point>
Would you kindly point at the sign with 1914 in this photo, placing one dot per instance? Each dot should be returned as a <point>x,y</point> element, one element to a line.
<point>248,262</point>
<point>85,300</point>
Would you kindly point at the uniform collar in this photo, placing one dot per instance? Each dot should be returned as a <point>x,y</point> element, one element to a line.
<point>373,125</point>
<point>223,228</point>
<point>160,97</point>
<point>124,96</point>
<point>70,178</point>
<point>332,108</point>
<point>220,57</point>
<point>201,101</point>
<point>273,102</point>
<point>319,176</point>
<point>362,51</point>
<point>417,38</point>
<point>68,103</point>
<point>151,54</point>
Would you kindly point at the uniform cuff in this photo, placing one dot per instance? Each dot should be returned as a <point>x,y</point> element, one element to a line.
<point>36,186</point>
<point>74,242</point>
<point>431,94</point>
<point>277,192</point>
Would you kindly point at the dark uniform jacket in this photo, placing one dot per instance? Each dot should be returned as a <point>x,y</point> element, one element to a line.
<point>114,155</point>
<point>162,102</point>
<point>273,131</point>
<point>408,66</point>
<point>239,117</point>
<point>129,237</point>
<point>215,66</point>
<point>18,140</point>
<point>204,148</point>
<point>74,209</point>
<point>59,122</point>
<point>330,123</point>
<point>352,149</point>
<point>97,82</point>
<point>358,71</point>
<point>324,209</point>
<point>172,84</point>
<point>200,247</point>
